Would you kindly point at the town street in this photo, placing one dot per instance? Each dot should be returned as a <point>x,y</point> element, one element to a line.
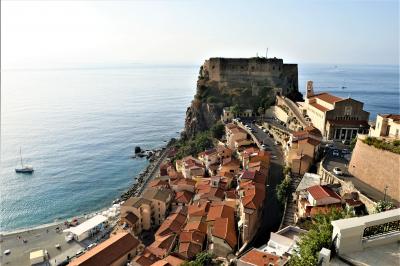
<point>272,211</point>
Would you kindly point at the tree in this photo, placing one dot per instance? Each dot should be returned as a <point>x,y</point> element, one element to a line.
<point>203,142</point>
<point>202,259</point>
<point>218,130</point>
<point>260,111</point>
<point>318,237</point>
<point>282,190</point>
<point>236,110</point>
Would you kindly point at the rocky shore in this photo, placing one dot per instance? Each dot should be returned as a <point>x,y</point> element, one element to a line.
<point>147,174</point>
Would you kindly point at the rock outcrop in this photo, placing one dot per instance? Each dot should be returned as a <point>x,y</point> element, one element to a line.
<point>248,82</point>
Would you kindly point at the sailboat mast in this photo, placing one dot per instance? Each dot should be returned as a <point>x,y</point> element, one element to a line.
<point>20,154</point>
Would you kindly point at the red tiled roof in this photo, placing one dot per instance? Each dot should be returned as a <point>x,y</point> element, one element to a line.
<point>198,209</point>
<point>109,251</point>
<point>196,226</point>
<point>395,117</point>
<point>259,258</point>
<point>192,236</point>
<point>183,196</point>
<point>224,228</point>
<point>146,259</point>
<point>320,192</point>
<point>189,250</point>
<point>319,107</point>
<point>327,97</point>
<point>220,211</point>
<point>172,224</point>
<point>163,245</point>
<point>169,261</point>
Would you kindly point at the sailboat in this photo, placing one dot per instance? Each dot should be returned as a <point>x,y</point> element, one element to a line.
<point>27,169</point>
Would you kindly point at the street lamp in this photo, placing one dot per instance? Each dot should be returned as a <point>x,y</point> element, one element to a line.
<point>384,197</point>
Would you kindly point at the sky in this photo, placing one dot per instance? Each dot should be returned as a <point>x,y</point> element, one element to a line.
<point>71,33</point>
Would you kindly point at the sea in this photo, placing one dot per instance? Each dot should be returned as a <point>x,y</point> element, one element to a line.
<point>79,126</point>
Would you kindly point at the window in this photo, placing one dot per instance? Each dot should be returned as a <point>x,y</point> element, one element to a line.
<point>347,110</point>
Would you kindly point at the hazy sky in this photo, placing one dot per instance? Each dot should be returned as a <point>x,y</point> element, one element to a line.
<point>55,33</point>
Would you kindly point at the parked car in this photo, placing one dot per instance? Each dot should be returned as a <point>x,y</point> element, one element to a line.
<point>91,246</point>
<point>265,130</point>
<point>337,171</point>
<point>345,151</point>
<point>277,142</point>
<point>7,252</point>
<point>335,153</point>
<point>80,252</point>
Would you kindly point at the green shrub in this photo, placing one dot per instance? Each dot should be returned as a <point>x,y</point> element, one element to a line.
<point>283,190</point>
<point>218,130</point>
<point>318,237</point>
<point>392,146</point>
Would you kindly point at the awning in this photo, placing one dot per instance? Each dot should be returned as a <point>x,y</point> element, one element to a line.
<point>87,225</point>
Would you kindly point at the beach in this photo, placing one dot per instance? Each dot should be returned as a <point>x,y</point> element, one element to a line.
<point>23,241</point>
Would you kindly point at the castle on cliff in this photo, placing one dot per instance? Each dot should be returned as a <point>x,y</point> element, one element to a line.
<point>255,72</point>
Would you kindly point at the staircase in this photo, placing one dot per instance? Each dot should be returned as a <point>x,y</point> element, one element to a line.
<point>288,218</point>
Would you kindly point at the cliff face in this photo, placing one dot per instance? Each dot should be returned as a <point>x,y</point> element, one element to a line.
<point>248,82</point>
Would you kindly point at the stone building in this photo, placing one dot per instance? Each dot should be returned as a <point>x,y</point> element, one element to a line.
<point>257,72</point>
<point>335,117</point>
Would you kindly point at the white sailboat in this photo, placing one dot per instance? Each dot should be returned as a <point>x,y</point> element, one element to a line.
<point>27,169</point>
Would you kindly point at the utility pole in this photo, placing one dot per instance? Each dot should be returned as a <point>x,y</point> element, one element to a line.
<point>266,54</point>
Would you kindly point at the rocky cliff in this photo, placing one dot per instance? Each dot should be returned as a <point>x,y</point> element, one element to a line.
<point>247,82</point>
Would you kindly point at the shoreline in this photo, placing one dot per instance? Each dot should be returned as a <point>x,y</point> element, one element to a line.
<point>136,189</point>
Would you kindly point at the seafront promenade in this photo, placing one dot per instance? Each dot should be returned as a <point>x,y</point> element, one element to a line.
<point>23,241</point>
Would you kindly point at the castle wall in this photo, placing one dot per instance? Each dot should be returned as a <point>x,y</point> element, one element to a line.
<point>376,167</point>
<point>252,72</point>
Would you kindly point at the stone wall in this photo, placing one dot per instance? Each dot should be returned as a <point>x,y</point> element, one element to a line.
<point>378,168</point>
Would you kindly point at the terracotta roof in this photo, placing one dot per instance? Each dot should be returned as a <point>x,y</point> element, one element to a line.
<point>248,175</point>
<point>198,209</point>
<point>136,202</point>
<point>189,250</point>
<point>230,161</point>
<point>220,211</point>
<point>183,181</point>
<point>320,192</point>
<point>192,236</point>
<point>109,251</point>
<point>196,226</point>
<point>184,196</point>
<point>172,224</point>
<point>327,97</point>
<point>162,195</point>
<point>213,193</point>
<point>224,228</point>
<point>311,141</point>
<point>314,210</point>
<point>231,194</point>
<point>159,183</point>
<point>253,196</point>
<point>395,117</point>
<point>163,245</point>
<point>146,259</point>
<point>259,258</point>
<point>169,261</point>
<point>130,217</point>
<point>319,107</point>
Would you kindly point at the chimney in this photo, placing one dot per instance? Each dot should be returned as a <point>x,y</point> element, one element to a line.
<point>310,89</point>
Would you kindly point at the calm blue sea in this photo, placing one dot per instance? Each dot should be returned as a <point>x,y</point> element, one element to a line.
<point>78,127</point>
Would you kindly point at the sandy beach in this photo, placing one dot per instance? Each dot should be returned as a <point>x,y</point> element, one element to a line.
<point>23,241</point>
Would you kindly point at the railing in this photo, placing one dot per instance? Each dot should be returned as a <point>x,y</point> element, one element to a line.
<point>381,229</point>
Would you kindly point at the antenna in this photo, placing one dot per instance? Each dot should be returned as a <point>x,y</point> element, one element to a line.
<point>257,54</point>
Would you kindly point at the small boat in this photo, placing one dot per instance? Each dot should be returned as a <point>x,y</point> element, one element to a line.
<point>25,169</point>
